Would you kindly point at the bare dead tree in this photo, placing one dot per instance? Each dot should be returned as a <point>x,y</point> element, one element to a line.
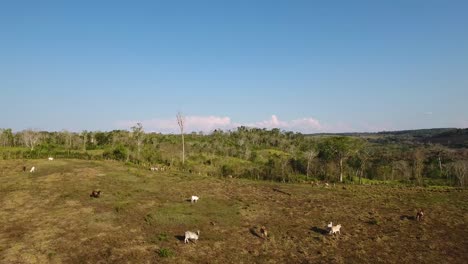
<point>418,165</point>
<point>364,155</point>
<point>311,154</point>
<point>284,165</point>
<point>85,139</point>
<point>31,138</point>
<point>2,137</point>
<point>181,123</point>
<point>138,135</point>
<point>460,169</point>
<point>68,140</point>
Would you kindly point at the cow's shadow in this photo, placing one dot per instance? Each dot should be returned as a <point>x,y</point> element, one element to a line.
<point>319,230</point>
<point>180,238</point>
<point>408,217</point>
<point>254,232</point>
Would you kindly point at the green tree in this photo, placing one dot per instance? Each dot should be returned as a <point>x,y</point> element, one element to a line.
<point>311,154</point>
<point>6,137</point>
<point>138,135</point>
<point>340,149</point>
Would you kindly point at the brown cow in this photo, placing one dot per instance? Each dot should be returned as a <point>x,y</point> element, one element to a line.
<point>420,215</point>
<point>95,194</point>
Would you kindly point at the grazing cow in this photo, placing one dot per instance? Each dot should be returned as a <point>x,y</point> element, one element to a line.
<point>189,235</point>
<point>335,229</point>
<point>33,169</point>
<point>24,168</point>
<point>50,158</point>
<point>420,215</point>
<point>264,232</point>
<point>95,194</point>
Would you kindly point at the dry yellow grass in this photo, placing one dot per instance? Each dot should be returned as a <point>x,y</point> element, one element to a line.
<point>141,216</point>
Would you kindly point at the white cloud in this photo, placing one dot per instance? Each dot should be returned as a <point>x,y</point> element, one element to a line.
<point>210,123</point>
<point>303,125</point>
<point>207,123</point>
<point>463,124</point>
<point>192,123</point>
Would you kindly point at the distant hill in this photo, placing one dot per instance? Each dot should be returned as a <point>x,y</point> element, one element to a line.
<point>450,137</point>
<point>457,138</point>
<point>418,133</point>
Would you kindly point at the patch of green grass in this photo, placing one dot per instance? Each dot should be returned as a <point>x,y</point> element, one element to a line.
<point>123,194</point>
<point>176,214</point>
<point>51,254</point>
<point>165,253</point>
<point>120,207</point>
<point>162,237</point>
<point>149,219</point>
<point>204,211</point>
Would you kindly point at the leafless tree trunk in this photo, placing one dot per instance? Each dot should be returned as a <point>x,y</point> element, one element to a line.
<point>310,156</point>
<point>31,138</point>
<point>284,163</point>
<point>460,169</point>
<point>68,140</point>
<point>85,138</point>
<point>341,169</point>
<point>418,165</point>
<point>361,172</point>
<point>440,164</point>
<point>441,154</point>
<point>364,157</point>
<point>181,123</point>
<point>2,137</point>
<point>138,135</point>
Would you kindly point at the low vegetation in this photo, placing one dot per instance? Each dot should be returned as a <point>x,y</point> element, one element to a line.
<point>429,157</point>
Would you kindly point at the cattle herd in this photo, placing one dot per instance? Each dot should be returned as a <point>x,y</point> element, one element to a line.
<point>193,236</point>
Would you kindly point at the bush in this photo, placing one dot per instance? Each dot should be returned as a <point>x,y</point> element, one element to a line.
<point>226,170</point>
<point>159,238</point>
<point>118,153</point>
<point>165,253</point>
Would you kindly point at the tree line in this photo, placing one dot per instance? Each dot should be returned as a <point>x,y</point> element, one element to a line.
<point>263,154</point>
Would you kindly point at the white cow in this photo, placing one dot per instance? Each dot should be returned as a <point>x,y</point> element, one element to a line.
<point>189,235</point>
<point>194,199</point>
<point>335,229</point>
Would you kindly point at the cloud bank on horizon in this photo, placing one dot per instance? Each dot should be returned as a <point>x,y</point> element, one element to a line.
<point>208,124</point>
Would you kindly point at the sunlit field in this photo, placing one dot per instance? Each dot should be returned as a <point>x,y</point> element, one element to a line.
<point>141,216</point>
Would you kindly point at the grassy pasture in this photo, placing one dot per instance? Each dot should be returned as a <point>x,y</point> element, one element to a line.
<point>48,217</point>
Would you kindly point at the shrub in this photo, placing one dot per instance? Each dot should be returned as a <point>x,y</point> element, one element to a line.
<point>118,153</point>
<point>159,238</point>
<point>149,219</point>
<point>165,253</point>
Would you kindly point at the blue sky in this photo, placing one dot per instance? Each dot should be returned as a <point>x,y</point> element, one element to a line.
<point>308,66</point>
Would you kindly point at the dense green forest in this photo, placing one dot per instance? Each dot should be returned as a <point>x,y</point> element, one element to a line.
<point>415,157</point>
